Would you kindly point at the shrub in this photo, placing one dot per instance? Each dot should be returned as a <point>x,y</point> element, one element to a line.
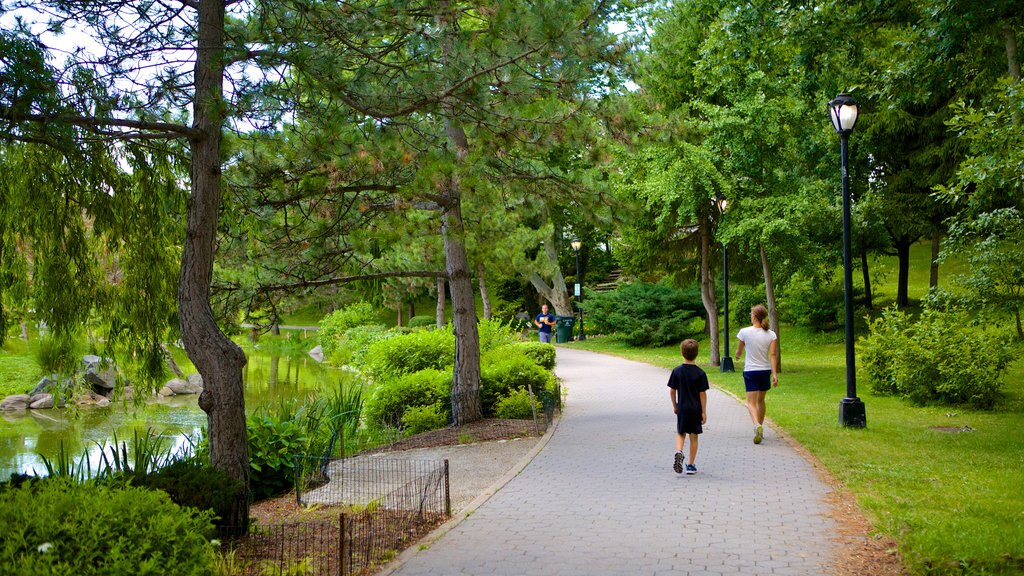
<point>496,333</point>
<point>352,346</point>
<point>334,325</point>
<point>194,484</point>
<point>940,358</point>
<point>807,302</point>
<point>392,398</point>
<point>407,353</point>
<point>510,374</point>
<point>516,405</point>
<point>541,353</point>
<point>644,314</point>
<point>424,418</point>
<point>61,527</point>
<point>422,322</point>
<point>879,351</point>
<point>741,300</point>
<point>274,442</point>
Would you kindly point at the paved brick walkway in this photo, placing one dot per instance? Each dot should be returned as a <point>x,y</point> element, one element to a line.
<point>601,497</point>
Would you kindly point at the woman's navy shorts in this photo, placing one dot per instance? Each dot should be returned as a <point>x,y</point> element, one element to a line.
<point>758,380</point>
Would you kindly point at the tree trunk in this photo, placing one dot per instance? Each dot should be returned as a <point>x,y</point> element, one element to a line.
<point>171,364</point>
<point>933,277</point>
<point>866,273</point>
<point>412,309</point>
<point>707,290</point>
<point>556,294</point>
<point>440,303</point>
<point>398,318</point>
<point>218,359</point>
<point>559,299</point>
<point>1020,328</point>
<point>903,254</point>
<point>769,295</point>
<point>484,296</point>
<point>1013,65</point>
<point>466,373</point>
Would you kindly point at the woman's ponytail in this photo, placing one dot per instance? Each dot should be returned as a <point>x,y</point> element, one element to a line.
<point>761,315</point>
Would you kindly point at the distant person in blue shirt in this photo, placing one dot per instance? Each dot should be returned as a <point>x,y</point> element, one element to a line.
<point>544,321</point>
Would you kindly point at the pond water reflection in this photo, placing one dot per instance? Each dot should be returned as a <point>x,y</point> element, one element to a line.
<point>269,379</point>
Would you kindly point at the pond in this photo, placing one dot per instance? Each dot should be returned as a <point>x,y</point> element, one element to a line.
<point>270,377</point>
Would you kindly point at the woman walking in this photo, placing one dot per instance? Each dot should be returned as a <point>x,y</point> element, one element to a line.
<point>760,371</point>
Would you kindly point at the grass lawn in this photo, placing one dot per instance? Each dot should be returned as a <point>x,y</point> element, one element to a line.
<point>953,500</point>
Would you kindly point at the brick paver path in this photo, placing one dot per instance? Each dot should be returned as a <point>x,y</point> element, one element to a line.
<point>601,497</point>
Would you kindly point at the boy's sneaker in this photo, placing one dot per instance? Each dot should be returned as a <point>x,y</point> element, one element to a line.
<point>758,434</point>
<point>691,469</point>
<point>677,465</point>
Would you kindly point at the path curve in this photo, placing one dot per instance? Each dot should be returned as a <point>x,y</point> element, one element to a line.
<point>601,498</point>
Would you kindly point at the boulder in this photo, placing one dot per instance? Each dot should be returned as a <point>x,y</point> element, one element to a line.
<point>92,399</point>
<point>317,353</point>
<point>49,383</point>
<point>41,401</point>
<point>165,391</point>
<point>179,386</point>
<point>196,380</point>
<point>15,402</point>
<point>102,382</point>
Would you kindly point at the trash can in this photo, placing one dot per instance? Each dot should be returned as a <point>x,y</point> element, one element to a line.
<point>563,328</point>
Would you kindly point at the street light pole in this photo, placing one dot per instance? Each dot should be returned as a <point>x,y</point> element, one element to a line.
<point>576,245</point>
<point>843,113</point>
<point>727,365</point>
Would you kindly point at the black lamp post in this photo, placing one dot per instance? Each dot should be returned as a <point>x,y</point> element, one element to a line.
<point>843,113</point>
<point>576,245</point>
<point>727,365</point>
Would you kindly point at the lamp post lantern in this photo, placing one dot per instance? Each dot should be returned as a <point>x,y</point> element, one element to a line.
<point>576,245</point>
<point>727,365</point>
<point>843,113</point>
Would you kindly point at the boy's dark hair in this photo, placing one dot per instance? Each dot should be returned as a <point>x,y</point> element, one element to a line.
<point>689,348</point>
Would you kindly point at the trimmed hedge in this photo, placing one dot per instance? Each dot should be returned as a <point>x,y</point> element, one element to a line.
<point>391,399</point>
<point>407,353</point>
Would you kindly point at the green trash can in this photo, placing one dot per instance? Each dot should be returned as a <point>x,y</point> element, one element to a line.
<point>563,328</point>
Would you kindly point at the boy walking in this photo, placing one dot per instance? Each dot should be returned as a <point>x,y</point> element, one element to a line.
<point>688,387</point>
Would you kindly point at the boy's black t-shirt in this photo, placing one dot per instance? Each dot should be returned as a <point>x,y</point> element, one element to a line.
<point>689,381</point>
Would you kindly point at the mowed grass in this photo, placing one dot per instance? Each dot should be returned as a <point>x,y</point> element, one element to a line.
<point>945,482</point>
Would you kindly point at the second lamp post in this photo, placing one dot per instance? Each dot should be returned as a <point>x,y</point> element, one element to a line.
<point>576,245</point>
<point>727,365</point>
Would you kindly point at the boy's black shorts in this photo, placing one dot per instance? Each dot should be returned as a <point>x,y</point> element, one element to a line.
<point>688,422</point>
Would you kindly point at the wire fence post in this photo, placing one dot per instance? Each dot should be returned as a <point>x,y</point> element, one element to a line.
<point>447,492</point>
<point>341,545</point>
<point>533,407</point>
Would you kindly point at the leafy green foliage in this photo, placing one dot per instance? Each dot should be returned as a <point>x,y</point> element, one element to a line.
<point>407,353</point>
<point>334,326</point>
<point>941,358</point>
<point>540,352</point>
<point>274,442</point>
<point>194,484</point>
<point>418,419</point>
<point>495,333</point>
<point>300,427</point>
<point>392,398</point>
<point>512,373</point>
<point>516,405</point>
<point>995,278</point>
<point>810,302</point>
<point>58,526</point>
<point>644,314</point>
<point>422,322</point>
